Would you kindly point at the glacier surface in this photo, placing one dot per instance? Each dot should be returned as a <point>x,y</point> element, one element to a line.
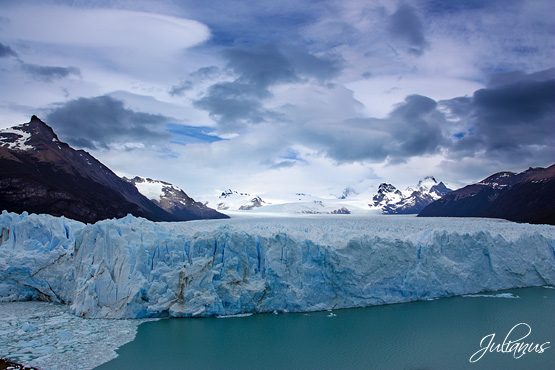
<point>134,268</point>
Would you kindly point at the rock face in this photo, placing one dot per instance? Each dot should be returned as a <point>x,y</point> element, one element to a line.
<point>522,197</point>
<point>254,203</point>
<point>133,268</point>
<point>172,199</point>
<point>41,174</point>
<point>411,201</point>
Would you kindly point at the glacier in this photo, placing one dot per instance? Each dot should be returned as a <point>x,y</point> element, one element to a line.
<point>134,268</point>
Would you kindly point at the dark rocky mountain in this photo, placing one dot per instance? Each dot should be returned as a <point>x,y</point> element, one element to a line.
<point>173,199</point>
<point>411,201</point>
<point>41,174</point>
<point>522,197</point>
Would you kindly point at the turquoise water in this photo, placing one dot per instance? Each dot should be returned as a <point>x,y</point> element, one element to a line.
<point>439,334</point>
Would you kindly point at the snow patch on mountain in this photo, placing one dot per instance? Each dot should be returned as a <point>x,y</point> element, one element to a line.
<point>152,189</point>
<point>15,139</point>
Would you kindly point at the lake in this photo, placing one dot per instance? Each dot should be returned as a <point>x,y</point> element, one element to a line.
<point>438,334</point>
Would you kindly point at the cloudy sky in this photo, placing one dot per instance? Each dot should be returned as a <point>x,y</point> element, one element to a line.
<point>292,96</point>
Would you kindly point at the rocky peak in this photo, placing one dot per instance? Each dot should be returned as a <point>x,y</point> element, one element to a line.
<point>254,203</point>
<point>386,194</point>
<point>412,200</point>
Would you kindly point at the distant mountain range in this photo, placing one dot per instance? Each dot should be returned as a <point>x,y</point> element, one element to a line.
<point>528,196</point>
<point>41,174</point>
<point>411,200</point>
<point>296,203</point>
<point>387,200</point>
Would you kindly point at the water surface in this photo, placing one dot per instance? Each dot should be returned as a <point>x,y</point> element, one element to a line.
<point>439,334</point>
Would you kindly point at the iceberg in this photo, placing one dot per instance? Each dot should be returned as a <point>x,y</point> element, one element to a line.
<point>134,268</point>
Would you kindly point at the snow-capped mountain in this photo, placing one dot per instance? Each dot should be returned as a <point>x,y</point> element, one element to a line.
<point>521,197</point>
<point>232,200</point>
<point>410,201</point>
<point>172,198</point>
<point>387,194</point>
<point>41,174</point>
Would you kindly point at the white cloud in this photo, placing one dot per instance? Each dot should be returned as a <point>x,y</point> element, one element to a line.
<point>122,32</point>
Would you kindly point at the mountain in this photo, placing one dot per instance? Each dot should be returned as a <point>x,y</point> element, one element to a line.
<point>172,199</point>
<point>412,200</point>
<point>522,197</point>
<point>232,200</point>
<point>41,174</point>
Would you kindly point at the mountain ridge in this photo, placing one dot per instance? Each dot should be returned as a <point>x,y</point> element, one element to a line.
<point>521,197</point>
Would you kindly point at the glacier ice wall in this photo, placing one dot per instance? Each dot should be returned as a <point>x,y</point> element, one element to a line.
<point>134,268</point>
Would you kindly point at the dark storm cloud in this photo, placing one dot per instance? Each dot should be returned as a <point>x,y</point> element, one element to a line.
<point>204,73</point>
<point>254,22</point>
<point>260,68</point>
<point>234,104</point>
<point>507,78</point>
<point>38,72</point>
<point>511,123</point>
<point>514,120</point>
<point>101,121</point>
<point>268,65</point>
<point>442,6</point>
<point>6,51</point>
<point>416,127</point>
<point>238,102</point>
<point>49,73</point>
<point>200,75</point>
<point>413,128</point>
<point>181,88</point>
<point>405,24</point>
